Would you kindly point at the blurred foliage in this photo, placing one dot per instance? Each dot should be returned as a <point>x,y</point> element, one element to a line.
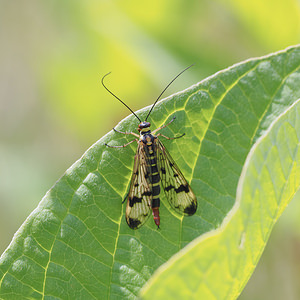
<point>54,53</point>
<point>144,45</point>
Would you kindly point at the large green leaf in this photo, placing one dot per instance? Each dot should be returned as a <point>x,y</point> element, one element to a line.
<point>218,264</point>
<point>76,244</point>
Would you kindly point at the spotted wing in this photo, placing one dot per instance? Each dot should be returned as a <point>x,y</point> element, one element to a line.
<point>139,198</point>
<point>179,194</point>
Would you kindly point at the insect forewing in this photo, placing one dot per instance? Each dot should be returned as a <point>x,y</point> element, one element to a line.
<point>179,194</point>
<point>138,206</point>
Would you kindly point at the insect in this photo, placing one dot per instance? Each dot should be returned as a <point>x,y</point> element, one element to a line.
<point>153,165</point>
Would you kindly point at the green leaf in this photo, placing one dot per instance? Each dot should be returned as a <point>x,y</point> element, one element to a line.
<point>76,243</point>
<point>218,264</point>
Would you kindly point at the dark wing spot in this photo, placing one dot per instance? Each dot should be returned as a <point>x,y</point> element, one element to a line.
<point>171,164</point>
<point>137,173</point>
<point>191,209</point>
<point>133,223</point>
<point>134,200</point>
<point>176,175</point>
<point>136,184</point>
<point>182,188</point>
<point>169,187</point>
<point>147,193</point>
<point>163,170</point>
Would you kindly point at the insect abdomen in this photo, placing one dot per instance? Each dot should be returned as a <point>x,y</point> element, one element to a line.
<point>155,181</point>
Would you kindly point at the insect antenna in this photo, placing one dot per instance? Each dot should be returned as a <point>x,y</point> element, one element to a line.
<point>165,90</point>
<point>118,97</point>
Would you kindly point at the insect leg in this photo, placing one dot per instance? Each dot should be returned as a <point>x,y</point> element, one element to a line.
<point>125,197</point>
<point>122,146</point>
<point>126,132</point>
<point>171,138</point>
<point>165,125</point>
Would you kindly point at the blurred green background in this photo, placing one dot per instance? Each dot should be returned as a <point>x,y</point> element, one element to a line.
<point>53,107</point>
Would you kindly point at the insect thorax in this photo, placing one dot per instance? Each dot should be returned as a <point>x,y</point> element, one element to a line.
<point>147,138</point>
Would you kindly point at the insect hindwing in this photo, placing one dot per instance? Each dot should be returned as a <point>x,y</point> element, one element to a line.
<point>139,198</point>
<point>179,194</point>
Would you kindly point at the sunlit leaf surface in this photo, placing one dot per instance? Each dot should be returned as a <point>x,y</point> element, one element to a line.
<point>218,264</point>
